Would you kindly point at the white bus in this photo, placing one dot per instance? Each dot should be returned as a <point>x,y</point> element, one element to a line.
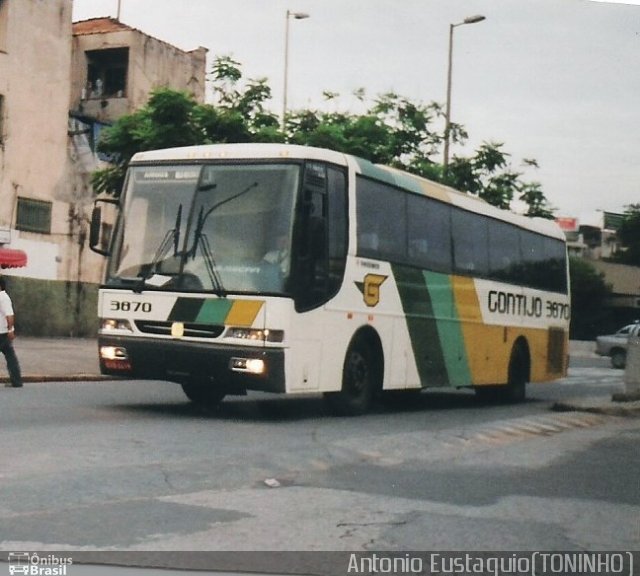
<point>300,270</point>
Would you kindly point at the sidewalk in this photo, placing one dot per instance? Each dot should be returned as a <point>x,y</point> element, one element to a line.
<point>76,360</point>
<point>55,359</point>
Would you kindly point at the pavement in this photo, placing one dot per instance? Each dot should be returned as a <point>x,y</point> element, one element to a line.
<point>55,359</point>
<point>76,360</point>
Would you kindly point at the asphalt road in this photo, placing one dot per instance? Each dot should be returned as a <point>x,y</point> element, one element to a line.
<point>132,467</point>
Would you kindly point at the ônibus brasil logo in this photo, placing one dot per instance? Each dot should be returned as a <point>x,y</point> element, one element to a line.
<point>35,565</point>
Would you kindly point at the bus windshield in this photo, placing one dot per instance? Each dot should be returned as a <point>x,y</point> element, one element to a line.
<point>219,227</point>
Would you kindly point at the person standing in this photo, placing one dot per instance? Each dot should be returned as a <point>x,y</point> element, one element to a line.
<point>7,335</point>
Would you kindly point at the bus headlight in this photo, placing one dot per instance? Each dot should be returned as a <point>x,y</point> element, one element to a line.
<point>115,358</point>
<point>113,353</point>
<point>111,324</point>
<point>250,365</point>
<point>255,334</point>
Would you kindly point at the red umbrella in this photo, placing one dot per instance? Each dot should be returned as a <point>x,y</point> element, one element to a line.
<point>10,258</point>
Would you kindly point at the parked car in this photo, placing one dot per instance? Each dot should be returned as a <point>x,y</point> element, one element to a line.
<point>615,345</point>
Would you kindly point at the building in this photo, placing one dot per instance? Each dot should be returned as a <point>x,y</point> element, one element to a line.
<point>115,67</point>
<point>599,244</point>
<point>35,68</point>
<point>60,84</point>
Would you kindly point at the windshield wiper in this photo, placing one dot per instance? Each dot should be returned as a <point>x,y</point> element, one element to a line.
<point>200,238</point>
<point>171,237</point>
<point>212,268</point>
<point>226,200</point>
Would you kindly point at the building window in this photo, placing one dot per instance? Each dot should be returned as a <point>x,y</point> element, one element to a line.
<point>34,216</point>
<point>107,72</point>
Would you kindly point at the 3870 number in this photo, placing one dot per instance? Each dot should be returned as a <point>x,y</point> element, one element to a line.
<point>128,306</point>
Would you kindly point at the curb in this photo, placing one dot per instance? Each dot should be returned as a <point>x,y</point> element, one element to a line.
<point>31,378</point>
<point>621,404</point>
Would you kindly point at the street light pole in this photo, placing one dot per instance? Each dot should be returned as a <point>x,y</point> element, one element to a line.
<point>447,113</point>
<point>296,16</point>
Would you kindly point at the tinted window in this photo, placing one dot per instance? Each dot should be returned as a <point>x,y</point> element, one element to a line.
<point>429,233</point>
<point>543,262</point>
<point>556,259</point>
<point>400,226</point>
<point>382,229</point>
<point>337,226</point>
<point>470,243</point>
<point>504,251</point>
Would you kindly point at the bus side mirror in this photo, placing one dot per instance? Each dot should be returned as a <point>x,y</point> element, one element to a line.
<point>94,230</point>
<point>99,232</point>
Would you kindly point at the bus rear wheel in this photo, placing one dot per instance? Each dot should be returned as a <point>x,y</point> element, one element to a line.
<point>515,390</point>
<point>203,392</point>
<point>360,377</point>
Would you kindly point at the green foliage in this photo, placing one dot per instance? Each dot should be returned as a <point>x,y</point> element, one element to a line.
<point>629,235</point>
<point>168,120</point>
<point>531,194</point>
<point>589,293</point>
<point>488,175</point>
<point>393,130</point>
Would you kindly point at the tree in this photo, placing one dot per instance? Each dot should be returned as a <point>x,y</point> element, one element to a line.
<point>393,130</point>
<point>589,293</point>
<point>173,118</point>
<point>629,235</point>
<point>169,119</point>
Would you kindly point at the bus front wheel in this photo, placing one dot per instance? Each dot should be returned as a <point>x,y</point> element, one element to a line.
<point>360,377</point>
<point>203,392</point>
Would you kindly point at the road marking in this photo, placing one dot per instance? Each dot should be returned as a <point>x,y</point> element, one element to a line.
<point>541,426</point>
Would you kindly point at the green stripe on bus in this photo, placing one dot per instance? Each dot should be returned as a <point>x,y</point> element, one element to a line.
<point>422,326</point>
<point>200,310</point>
<point>449,328</point>
<point>185,309</point>
<point>393,177</point>
<point>214,311</point>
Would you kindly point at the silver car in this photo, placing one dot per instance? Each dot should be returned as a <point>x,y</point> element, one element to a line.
<point>615,345</point>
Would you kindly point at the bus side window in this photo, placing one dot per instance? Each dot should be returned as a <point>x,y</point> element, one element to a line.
<point>322,258</point>
<point>336,228</point>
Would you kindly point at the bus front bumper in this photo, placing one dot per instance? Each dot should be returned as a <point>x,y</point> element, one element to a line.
<point>237,368</point>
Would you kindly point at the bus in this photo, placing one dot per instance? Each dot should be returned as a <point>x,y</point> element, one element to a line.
<point>292,269</point>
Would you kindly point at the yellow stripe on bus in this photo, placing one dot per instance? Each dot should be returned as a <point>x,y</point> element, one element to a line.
<point>482,342</point>
<point>243,312</point>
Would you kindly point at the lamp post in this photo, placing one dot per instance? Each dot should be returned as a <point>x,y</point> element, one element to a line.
<point>447,114</point>
<point>296,16</point>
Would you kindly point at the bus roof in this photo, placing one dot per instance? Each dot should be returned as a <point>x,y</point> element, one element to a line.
<point>393,176</point>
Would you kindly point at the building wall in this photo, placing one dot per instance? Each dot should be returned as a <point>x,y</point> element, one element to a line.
<point>35,84</point>
<point>624,281</point>
<point>151,64</point>
<point>47,156</point>
<point>172,68</point>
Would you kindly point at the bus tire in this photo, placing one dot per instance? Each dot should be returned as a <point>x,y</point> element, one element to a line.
<point>203,392</point>
<point>515,390</point>
<point>361,379</point>
<point>519,368</point>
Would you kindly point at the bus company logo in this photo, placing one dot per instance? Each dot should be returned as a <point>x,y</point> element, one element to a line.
<point>370,288</point>
<point>35,565</point>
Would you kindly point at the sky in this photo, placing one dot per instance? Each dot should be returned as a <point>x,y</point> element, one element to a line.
<point>557,81</point>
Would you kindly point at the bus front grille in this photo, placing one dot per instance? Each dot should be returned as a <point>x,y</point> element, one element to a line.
<point>190,329</point>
